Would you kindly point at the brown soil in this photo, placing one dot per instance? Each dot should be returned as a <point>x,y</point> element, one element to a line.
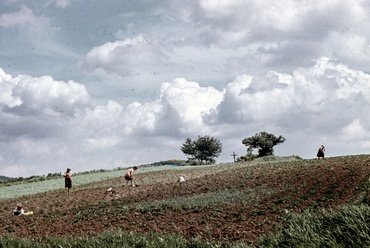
<point>274,190</point>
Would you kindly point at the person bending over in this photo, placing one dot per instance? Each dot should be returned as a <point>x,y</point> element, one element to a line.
<point>129,176</point>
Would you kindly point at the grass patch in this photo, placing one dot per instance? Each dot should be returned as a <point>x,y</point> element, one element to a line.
<point>198,203</point>
<point>117,239</point>
<point>346,227</point>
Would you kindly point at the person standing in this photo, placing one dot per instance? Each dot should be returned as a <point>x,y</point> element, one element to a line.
<point>129,176</point>
<point>68,179</point>
<point>321,152</point>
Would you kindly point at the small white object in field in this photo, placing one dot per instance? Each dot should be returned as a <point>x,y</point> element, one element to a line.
<point>182,179</point>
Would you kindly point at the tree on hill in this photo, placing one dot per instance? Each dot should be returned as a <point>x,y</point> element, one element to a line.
<point>204,149</point>
<point>5,179</point>
<point>264,142</point>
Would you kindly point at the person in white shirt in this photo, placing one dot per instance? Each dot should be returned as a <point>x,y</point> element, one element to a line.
<point>19,209</point>
<point>178,183</point>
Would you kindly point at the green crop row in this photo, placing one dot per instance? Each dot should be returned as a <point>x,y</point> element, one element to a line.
<point>117,239</point>
<point>18,190</point>
<point>346,227</point>
<point>198,203</point>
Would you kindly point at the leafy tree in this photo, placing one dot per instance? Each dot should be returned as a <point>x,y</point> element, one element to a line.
<point>204,149</point>
<point>264,142</point>
<point>188,148</point>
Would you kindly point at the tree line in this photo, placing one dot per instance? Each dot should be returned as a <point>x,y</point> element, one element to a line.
<point>206,148</point>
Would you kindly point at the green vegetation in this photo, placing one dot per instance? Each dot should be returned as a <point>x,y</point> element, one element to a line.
<point>264,142</point>
<point>33,185</point>
<point>96,174</point>
<point>5,179</point>
<point>204,149</point>
<point>30,187</point>
<point>10,180</point>
<point>213,203</point>
<point>346,227</point>
<point>119,240</point>
<point>173,162</point>
<point>304,202</point>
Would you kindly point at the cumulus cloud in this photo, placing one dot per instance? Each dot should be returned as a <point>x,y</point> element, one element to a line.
<point>251,37</point>
<point>38,107</point>
<point>121,57</point>
<point>327,89</point>
<point>327,99</point>
<point>190,101</point>
<point>103,88</point>
<point>244,103</point>
<point>44,96</point>
<point>47,115</point>
<point>283,18</point>
<point>276,32</point>
<point>178,109</point>
<point>47,121</point>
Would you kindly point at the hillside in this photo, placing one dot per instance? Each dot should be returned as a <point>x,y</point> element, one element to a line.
<point>5,179</point>
<point>235,202</point>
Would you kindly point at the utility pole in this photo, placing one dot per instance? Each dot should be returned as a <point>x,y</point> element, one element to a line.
<point>234,155</point>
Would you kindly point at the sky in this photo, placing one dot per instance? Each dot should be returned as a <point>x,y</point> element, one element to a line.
<point>91,84</point>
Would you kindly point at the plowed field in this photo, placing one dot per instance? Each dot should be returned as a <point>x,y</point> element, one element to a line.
<point>234,202</point>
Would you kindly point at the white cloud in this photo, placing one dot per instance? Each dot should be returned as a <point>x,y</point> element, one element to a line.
<point>190,101</point>
<point>322,99</point>
<point>325,96</point>
<point>6,87</point>
<point>121,57</point>
<point>29,147</point>
<point>130,80</point>
<point>355,131</point>
<point>220,7</point>
<point>23,18</point>
<point>59,3</point>
<point>47,96</point>
<point>179,108</point>
<point>4,76</point>
<point>99,127</point>
<point>243,103</point>
<point>141,118</point>
<point>39,108</point>
<point>100,143</point>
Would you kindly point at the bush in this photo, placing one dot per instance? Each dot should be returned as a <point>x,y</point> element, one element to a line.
<point>248,157</point>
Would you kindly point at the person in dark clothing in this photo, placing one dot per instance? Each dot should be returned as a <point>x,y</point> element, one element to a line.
<point>321,152</point>
<point>68,179</point>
